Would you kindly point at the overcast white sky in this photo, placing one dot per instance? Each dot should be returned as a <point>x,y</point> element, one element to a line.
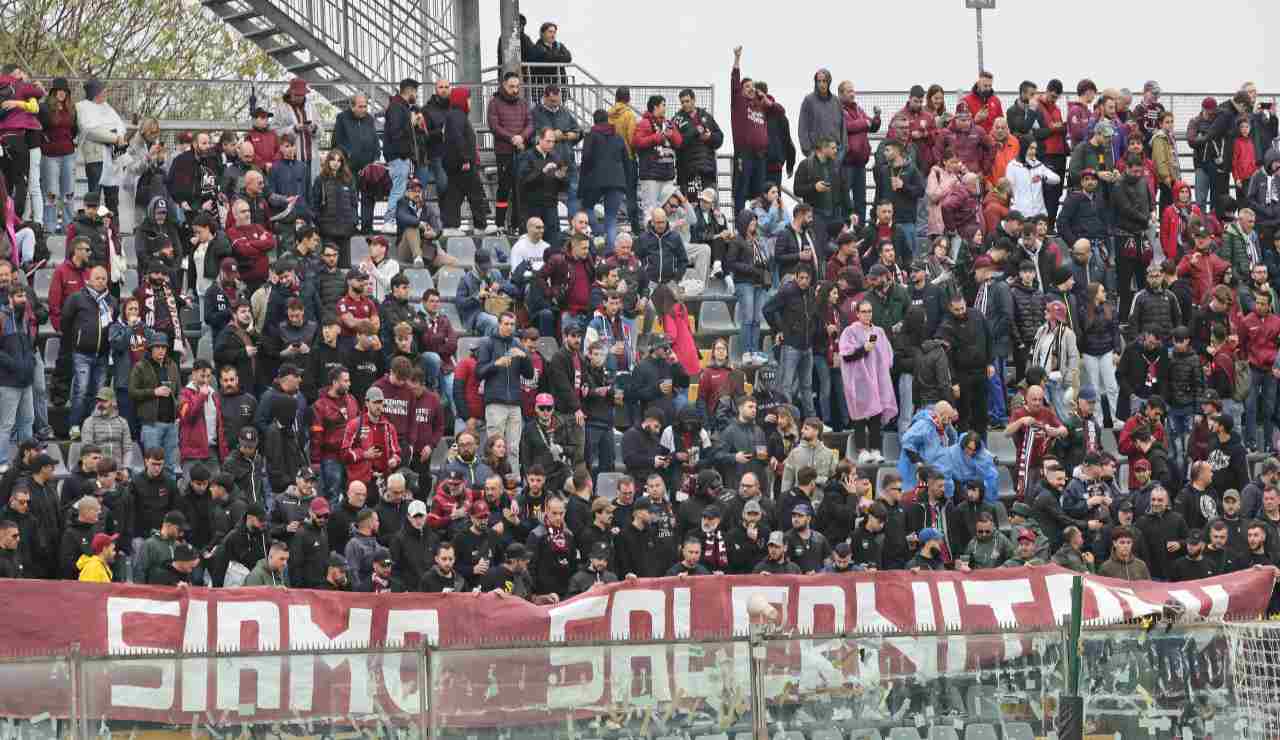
<point>1187,45</point>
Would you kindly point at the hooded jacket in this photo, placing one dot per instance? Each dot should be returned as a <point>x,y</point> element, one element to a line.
<point>1264,190</point>
<point>750,127</point>
<point>821,117</point>
<point>663,255</point>
<point>655,143</point>
<point>508,117</point>
<point>972,145</point>
<point>458,149</point>
<point>623,119</point>
<point>857,126</point>
<point>605,158</point>
<point>358,139</point>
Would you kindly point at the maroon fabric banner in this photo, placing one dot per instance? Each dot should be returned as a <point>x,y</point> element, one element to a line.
<point>49,617</point>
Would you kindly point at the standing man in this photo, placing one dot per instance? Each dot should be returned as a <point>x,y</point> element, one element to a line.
<point>819,181</point>
<point>500,363</point>
<point>857,147</point>
<point>623,119</point>
<point>982,102</point>
<point>399,144</point>
<point>821,116</point>
<point>552,114</point>
<point>995,302</point>
<point>86,317</point>
<point>354,133</point>
<point>750,135</point>
<point>696,156</point>
<point>793,312</point>
<point>511,122</point>
<point>17,366</point>
<point>972,358</point>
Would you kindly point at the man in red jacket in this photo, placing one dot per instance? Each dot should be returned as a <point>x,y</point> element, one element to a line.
<point>330,415</point>
<point>438,341</point>
<point>1259,335</point>
<point>370,448</point>
<point>68,278</point>
<point>983,103</point>
<point>857,147</point>
<point>399,399</point>
<point>252,244</point>
<point>748,112</point>
<point>426,429</point>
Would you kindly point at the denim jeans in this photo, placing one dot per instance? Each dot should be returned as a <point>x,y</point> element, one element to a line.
<point>88,372</point>
<point>856,176</point>
<point>995,394</point>
<point>906,402</point>
<point>822,374</point>
<point>612,199</point>
<point>164,436</point>
<point>1100,374</point>
<point>1202,189</point>
<point>797,378</point>
<point>399,170</point>
<point>484,324</point>
<point>93,173</point>
<point>40,395</point>
<point>1179,426</point>
<point>1261,401</point>
<point>599,450</point>
<point>57,178</point>
<point>127,413</point>
<point>1055,395</point>
<point>748,179</point>
<point>433,172</point>
<point>15,418</point>
<point>571,197</point>
<point>333,476</point>
<point>631,170</point>
<point>749,313</point>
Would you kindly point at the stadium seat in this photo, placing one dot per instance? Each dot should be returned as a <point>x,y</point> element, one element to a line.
<point>903,733</point>
<point>463,249</point>
<point>864,733</point>
<point>889,446</point>
<point>498,246</point>
<point>359,250</point>
<point>447,281</point>
<point>607,485</point>
<point>57,249</point>
<point>52,346</point>
<point>943,732</point>
<point>1001,447</point>
<point>73,454</point>
<point>1004,480</point>
<point>133,458</point>
<point>721,736</point>
<point>982,731</point>
<point>789,735</point>
<point>717,290</point>
<point>130,253</point>
<point>466,345</point>
<point>130,281</point>
<point>60,469</point>
<point>204,348</point>
<point>714,319</point>
<point>42,280</point>
<point>1002,516</point>
<point>1016,731</point>
<point>982,703</point>
<point>451,312</point>
<point>420,281</point>
<point>827,734</point>
<point>547,347</point>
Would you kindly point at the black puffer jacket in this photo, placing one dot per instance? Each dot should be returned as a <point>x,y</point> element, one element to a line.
<point>1101,335</point>
<point>695,156</point>
<point>1154,311</point>
<point>794,313</point>
<point>1028,313</point>
<point>932,380</point>
<point>329,287</point>
<point>1131,204</point>
<point>1186,378</point>
<point>334,203</point>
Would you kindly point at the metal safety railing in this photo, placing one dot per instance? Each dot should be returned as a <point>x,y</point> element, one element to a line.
<point>801,687</point>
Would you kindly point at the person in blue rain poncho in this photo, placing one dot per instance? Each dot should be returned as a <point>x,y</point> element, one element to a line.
<point>969,459</point>
<point>926,441</point>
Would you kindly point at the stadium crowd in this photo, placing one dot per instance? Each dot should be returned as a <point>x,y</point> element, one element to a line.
<point>1051,277</point>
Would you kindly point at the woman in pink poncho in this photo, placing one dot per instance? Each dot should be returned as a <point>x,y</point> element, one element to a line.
<point>867,357</point>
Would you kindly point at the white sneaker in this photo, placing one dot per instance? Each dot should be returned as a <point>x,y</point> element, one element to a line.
<point>864,457</point>
<point>452,232</point>
<point>692,287</point>
<point>74,434</point>
<point>728,282</point>
<point>491,229</point>
<point>879,458</point>
<point>715,269</point>
<point>387,227</point>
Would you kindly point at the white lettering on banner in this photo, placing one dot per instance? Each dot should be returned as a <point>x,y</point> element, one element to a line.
<point>1137,606</point>
<point>1189,602</point>
<point>195,671</point>
<point>739,596</point>
<point>129,695</point>
<point>232,616</point>
<point>1059,587</point>
<point>1109,608</point>
<point>923,601</point>
<point>1001,596</point>
<point>1218,601</point>
<point>658,686</point>
<point>813,664</point>
<point>305,635</point>
<point>950,605</point>
<point>703,683</point>
<point>590,692</point>
<point>401,623</point>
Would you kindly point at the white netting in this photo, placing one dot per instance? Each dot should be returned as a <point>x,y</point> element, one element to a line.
<point>1255,661</point>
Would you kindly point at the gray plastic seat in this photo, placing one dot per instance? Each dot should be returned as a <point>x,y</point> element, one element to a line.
<point>943,732</point>
<point>447,281</point>
<point>467,345</point>
<point>498,246</point>
<point>359,250</point>
<point>57,248</point>
<point>1002,516</point>
<point>420,281</point>
<point>864,733</point>
<point>130,252</point>
<point>827,734</point>
<point>463,249</point>
<point>133,458</point>
<point>889,446</point>
<point>607,485</point>
<point>547,347</point>
<point>983,731</point>
<point>1001,447</point>
<point>903,733</point>
<point>717,290</point>
<point>52,346</point>
<point>1017,731</point>
<point>715,319</point>
<point>204,348</point>
<point>1004,480</point>
<point>130,281</point>
<point>42,280</point>
<point>450,312</point>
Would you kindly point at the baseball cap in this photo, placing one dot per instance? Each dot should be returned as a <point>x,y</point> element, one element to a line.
<point>711,512</point>
<point>1209,103</point>
<point>1026,534</point>
<point>414,184</point>
<point>374,394</point>
<point>878,270</point>
<point>382,555</point>
<point>983,261</point>
<point>544,399</point>
<point>1087,393</point>
<point>517,551</point>
<point>479,508</point>
<point>1021,509</point>
<point>929,533</point>
<point>417,508</point>
<point>1231,493</point>
<point>777,538</point>
<point>802,509</point>
<point>306,473</point>
<point>1142,465</point>
<point>159,339</point>
<point>572,328</point>
<point>261,112</point>
<point>752,507</point>
<point>176,518</point>
<point>319,506</point>
<point>106,394</point>
<point>599,551</point>
<point>257,511</point>
<point>101,540</point>
<point>249,436</point>
<point>843,550</point>
<point>1181,333</point>
<point>356,275</point>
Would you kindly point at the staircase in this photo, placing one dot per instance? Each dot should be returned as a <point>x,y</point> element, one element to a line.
<point>341,47</point>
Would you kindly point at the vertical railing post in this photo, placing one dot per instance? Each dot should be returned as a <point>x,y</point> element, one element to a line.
<point>79,715</point>
<point>426,685</point>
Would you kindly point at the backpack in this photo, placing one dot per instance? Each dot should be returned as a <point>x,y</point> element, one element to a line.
<point>375,180</point>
